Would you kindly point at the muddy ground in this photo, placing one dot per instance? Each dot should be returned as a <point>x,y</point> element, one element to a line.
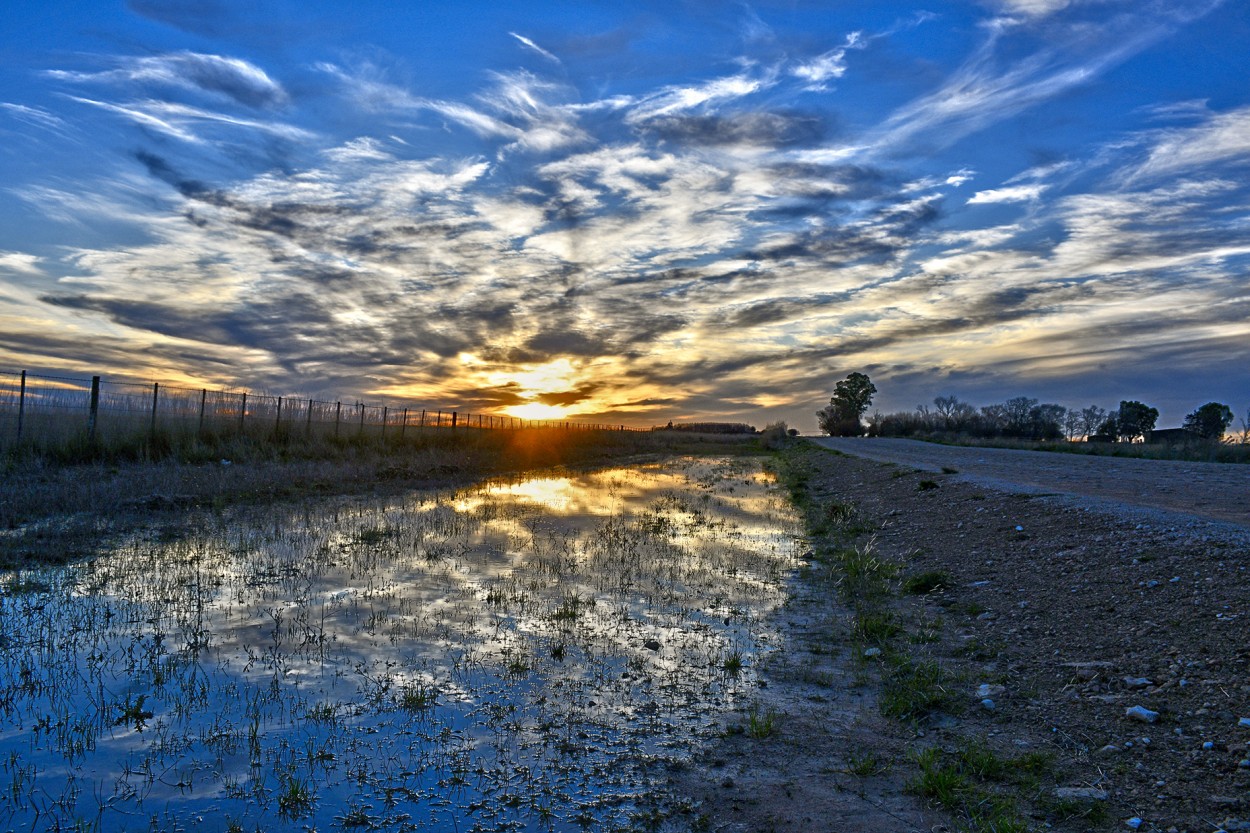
<point>1069,616</point>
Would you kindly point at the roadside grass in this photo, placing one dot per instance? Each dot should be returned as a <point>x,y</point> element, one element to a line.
<point>983,790</point>
<point>975,784</point>
<point>1195,451</point>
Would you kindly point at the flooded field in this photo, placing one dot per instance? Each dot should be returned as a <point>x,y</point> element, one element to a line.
<point>535,654</point>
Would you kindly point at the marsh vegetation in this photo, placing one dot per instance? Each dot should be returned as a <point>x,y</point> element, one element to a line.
<point>526,654</point>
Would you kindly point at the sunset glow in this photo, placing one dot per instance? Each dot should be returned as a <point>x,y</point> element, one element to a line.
<point>632,213</point>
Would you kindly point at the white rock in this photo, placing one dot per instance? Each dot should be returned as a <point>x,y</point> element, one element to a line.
<point>1138,682</point>
<point>872,652</point>
<point>1141,713</point>
<point>988,704</point>
<point>1134,822</point>
<point>1245,721</point>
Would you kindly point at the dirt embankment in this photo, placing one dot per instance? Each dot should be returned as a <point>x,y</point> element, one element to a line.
<point>1052,626</point>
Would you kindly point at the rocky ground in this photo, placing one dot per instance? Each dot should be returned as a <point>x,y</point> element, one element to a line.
<point>1094,668</point>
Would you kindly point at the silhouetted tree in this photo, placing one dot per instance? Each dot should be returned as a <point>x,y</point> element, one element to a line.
<point>1210,421</point>
<point>1134,420</point>
<point>1046,422</point>
<point>1092,419</point>
<point>851,397</point>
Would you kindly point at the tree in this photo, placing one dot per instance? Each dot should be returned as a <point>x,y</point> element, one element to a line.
<point>1016,411</point>
<point>1135,420</point>
<point>1046,421</point>
<point>1210,421</point>
<point>851,397</point>
<point>1092,419</point>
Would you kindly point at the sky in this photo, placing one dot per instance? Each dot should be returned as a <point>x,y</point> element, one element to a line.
<point>638,212</point>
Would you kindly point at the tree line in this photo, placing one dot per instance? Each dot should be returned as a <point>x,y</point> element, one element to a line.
<point>1021,417</point>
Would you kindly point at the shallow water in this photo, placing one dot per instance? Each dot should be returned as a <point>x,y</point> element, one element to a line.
<point>526,655</point>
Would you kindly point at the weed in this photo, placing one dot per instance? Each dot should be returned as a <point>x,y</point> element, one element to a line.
<point>912,689</point>
<point>926,485</point>
<point>732,663</point>
<point>761,725</point>
<point>923,583</point>
<point>417,697</point>
<point>1091,811</point>
<point>295,798</point>
<point>875,626</point>
<point>133,713</point>
<point>949,470</point>
<point>866,765</point>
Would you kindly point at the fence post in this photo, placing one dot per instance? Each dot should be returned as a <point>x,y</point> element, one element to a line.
<point>421,424</point>
<point>277,423</point>
<point>361,430</point>
<point>21,406</point>
<point>242,411</point>
<point>439,422</point>
<point>403,425</point>
<point>203,402</point>
<point>385,410</point>
<point>308,420</point>
<point>454,415</point>
<point>156,391</point>
<point>94,411</point>
<point>338,411</point>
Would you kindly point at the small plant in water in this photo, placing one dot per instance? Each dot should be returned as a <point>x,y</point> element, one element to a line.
<point>761,725</point>
<point>295,800</point>
<point>732,663</point>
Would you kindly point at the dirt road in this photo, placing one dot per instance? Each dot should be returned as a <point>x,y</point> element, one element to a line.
<point>1210,491</point>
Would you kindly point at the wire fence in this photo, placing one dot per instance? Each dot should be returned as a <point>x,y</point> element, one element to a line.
<point>43,410</point>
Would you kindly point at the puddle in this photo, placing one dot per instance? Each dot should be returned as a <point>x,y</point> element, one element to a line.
<point>527,655</point>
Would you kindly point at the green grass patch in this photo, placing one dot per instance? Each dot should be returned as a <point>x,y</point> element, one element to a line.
<point>921,584</point>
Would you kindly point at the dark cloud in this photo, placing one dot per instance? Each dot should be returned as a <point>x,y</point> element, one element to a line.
<point>770,312</point>
<point>762,129</point>
<point>569,397</point>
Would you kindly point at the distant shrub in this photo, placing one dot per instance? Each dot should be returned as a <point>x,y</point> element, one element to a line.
<point>774,435</point>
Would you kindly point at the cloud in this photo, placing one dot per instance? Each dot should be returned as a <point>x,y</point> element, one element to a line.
<point>756,128</point>
<point>676,99</point>
<point>1222,138</point>
<point>21,262</point>
<point>529,44</point>
<point>36,116</point>
<point>222,77</point>
<point>185,123</point>
<point>1015,193</point>
<point>818,71</point>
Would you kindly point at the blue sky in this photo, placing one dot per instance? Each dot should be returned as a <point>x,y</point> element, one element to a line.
<point>650,210</point>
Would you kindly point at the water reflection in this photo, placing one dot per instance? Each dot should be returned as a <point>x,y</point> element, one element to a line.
<point>524,655</point>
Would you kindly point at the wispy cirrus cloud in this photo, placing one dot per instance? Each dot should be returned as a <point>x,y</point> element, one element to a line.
<point>217,75</point>
<point>1014,193</point>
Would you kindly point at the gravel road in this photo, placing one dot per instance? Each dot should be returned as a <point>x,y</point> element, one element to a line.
<point>1164,490</point>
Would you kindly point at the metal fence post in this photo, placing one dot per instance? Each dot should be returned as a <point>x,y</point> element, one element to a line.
<point>94,411</point>
<point>203,402</point>
<point>403,425</point>
<point>385,409</point>
<point>454,415</point>
<point>21,406</point>
<point>338,412</point>
<point>308,420</point>
<point>277,423</point>
<point>156,392</point>
<point>242,411</point>
<point>361,430</point>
